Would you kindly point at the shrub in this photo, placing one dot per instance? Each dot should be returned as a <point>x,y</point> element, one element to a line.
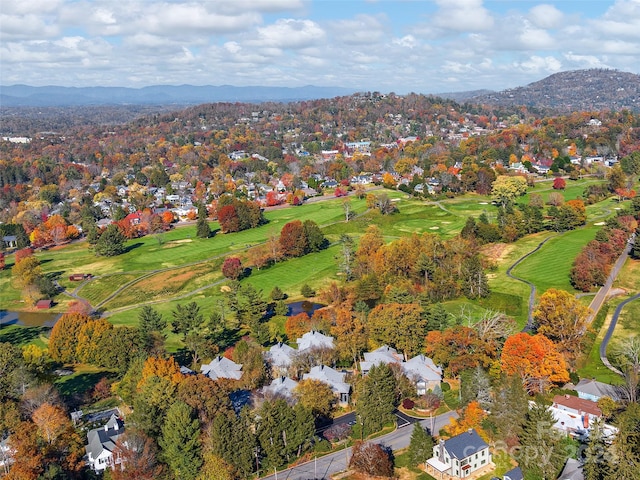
<point>408,404</point>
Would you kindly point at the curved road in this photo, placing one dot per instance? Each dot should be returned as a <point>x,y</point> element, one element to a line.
<point>324,467</point>
<point>532,296</point>
<point>609,334</point>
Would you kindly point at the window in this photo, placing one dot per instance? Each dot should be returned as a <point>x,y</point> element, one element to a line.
<point>476,457</point>
<point>483,452</point>
<point>483,462</point>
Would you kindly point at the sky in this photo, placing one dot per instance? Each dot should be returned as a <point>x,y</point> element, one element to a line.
<point>401,46</point>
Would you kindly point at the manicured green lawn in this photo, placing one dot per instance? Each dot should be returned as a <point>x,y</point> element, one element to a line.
<point>550,266</point>
<point>20,335</point>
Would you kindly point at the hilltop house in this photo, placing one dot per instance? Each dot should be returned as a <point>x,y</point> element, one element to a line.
<point>333,378</point>
<point>222,367</point>
<point>465,455</point>
<point>101,442</point>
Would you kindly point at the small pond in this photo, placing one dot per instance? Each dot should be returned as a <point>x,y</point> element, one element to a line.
<point>303,307</point>
<point>28,319</point>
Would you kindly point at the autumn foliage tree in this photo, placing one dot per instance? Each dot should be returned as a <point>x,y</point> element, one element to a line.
<point>561,317</point>
<point>63,340</point>
<point>293,239</point>
<point>559,183</point>
<point>371,459</point>
<point>471,417</point>
<point>232,268</point>
<point>535,359</point>
<point>139,457</point>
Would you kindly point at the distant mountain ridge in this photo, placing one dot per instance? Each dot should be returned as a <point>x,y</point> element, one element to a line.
<point>576,90</point>
<point>55,96</point>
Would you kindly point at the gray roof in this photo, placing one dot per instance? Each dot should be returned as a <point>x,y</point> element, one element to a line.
<point>421,368</point>
<point>329,376</point>
<point>514,474</point>
<point>384,354</point>
<point>314,339</point>
<point>464,445</point>
<point>222,367</point>
<point>280,386</point>
<point>598,389</point>
<point>280,354</point>
<point>104,438</point>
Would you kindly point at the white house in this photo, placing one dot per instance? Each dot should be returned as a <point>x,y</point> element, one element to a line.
<point>333,378</point>
<point>574,416</point>
<point>222,367</point>
<point>101,442</point>
<point>460,457</point>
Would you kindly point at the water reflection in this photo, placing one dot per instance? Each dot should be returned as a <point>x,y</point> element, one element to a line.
<point>28,319</point>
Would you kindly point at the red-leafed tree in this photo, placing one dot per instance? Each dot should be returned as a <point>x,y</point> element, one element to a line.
<point>559,183</point>
<point>293,239</point>
<point>232,268</point>
<point>23,253</point>
<point>228,219</point>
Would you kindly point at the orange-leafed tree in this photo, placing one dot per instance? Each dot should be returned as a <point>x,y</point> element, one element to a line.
<point>167,369</point>
<point>563,319</point>
<point>536,360</point>
<point>297,325</point>
<point>28,459</point>
<point>63,340</point>
<point>350,334</point>
<point>471,417</point>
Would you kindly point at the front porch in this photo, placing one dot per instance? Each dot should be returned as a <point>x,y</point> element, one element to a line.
<point>443,471</point>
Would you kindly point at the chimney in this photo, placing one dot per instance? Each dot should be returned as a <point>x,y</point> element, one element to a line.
<point>106,427</point>
<point>585,421</point>
<point>470,431</point>
<point>441,450</point>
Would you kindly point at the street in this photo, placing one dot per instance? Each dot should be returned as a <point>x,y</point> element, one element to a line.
<point>324,467</point>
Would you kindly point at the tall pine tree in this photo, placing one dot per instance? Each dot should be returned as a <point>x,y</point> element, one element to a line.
<point>541,454</point>
<point>377,398</point>
<point>421,446</point>
<point>180,441</point>
<point>202,226</point>
<point>597,464</point>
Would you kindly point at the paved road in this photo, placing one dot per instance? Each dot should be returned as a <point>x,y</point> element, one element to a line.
<point>609,334</point>
<point>328,465</point>
<point>602,294</point>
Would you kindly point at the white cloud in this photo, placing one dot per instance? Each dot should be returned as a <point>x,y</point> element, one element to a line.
<point>26,27</point>
<point>463,16</point>
<point>537,64</point>
<point>546,16</point>
<point>289,33</point>
<point>408,41</point>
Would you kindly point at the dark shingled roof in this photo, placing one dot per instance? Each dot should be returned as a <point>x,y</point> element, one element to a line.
<point>466,444</point>
<point>515,474</point>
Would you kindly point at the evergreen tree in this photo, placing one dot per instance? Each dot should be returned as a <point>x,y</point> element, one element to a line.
<point>377,398</point>
<point>111,242</point>
<point>597,464</point>
<point>92,234</point>
<point>151,324</point>
<point>510,407</point>
<point>470,229</point>
<point>541,454</point>
<point>231,439</point>
<point>180,441</point>
<point>626,444</point>
<point>186,318</point>
<point>277,294</point>
<point>421,446</point>
<point>315,237</point>
<point>347,256</point>
<point>202,227</point>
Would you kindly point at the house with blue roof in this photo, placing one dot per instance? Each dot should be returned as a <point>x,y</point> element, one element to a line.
<point>463,456</point>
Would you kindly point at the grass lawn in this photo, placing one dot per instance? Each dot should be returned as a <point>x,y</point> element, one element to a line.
<point>404,471</point>
<point>82,380</point>
<point>550,266</point>
<point>20,336</point>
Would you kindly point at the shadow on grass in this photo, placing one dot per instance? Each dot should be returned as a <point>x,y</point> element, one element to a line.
<point>75,385</point>
<point>18,335</point>
<point>133,246</point>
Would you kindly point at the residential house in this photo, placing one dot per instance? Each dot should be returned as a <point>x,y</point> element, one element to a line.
<point>333,378</point>
<point>514,474</point>
<point>384,354</point>
<point>222,367</point>
<point>593,390</point>
<point>314,339</point>
<point>425,374</point>
<point>280,387</point>
<point>280,356</point>
<point>574,416</point>
<point>463,456</point>
<point>10,241</point>
<point>101,443</point>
